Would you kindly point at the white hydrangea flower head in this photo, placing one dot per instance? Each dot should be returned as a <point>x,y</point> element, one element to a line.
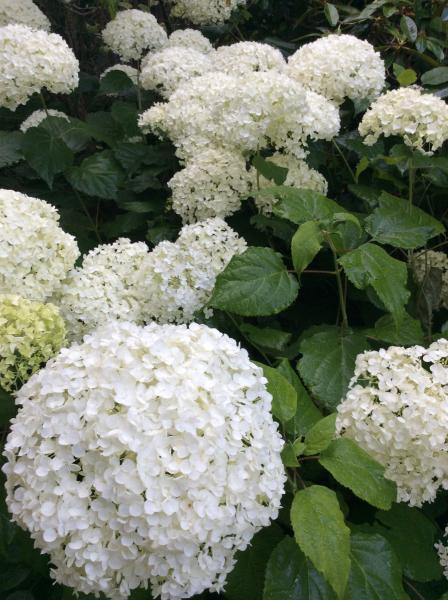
<point>396,409</point>
<point>212,184</point>
<point>420,119</point>
<point>132,33</point>
<point>105,287</point>
<point>167,69</point>
<point>243,114</point>
<point>423,262</point>
<point>38,116</point>
<point>190,38</point>
<point>31,60</point>
<point>339,67</point>
<point>145,454</point>
<point>299,175</point>
<point>203,12</point>
<point>35,253</point>
<point>23,12</point>
<point>178,277</point>
<point>131,72</point>
<point>245,57</point>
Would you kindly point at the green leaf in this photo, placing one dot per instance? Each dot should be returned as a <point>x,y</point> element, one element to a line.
<point>370,265</point>
<point>331,14</point>
<point>125,114</point>
<point>21,595</point>
<point>322,534</point>
<point>305,244</point>
<point>409,28</point>
<point>270,170</point>
<point>255,283</point>
<point>290,575</point>
<point>103,127</point>
<point>284,397</point>
<point>407,77</point>
<point>435,76</point>
<point>307,413</point>
<point>320,435</point>
<point>46,153</point>
<point>352,467</point>
<point>8,407</point>
<point>412,536</point>
<point>130,156</point>
<point>273,340</point>
<point>115,82</point>
<point>375,572</point>
<point>13,576</point>
<point>289,457</point>
<point>408,332</point>
<point>393,223</point>
<point>328,363</point>
<point>98,175</point>
<point>300,205</point>
<point>10,147</point>
<point>246,579</point>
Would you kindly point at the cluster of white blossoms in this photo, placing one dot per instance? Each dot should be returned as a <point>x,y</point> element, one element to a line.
<point>339,67</point>
<point>145,454</point>
<point>396,408</point>
<point>38,116</point>
<point>202,12</point>
<point>105,287</point>
<point>23,12</point>
<point>35,253</point>
<point>132,33</point>
<point>179,277</point>
<point>31,60</point>
<point>212,184</point>
<point>420,119</point>
<point>245,57</point>
<point>189,38</point>
<point>424,261</point>
<point>131,72</point>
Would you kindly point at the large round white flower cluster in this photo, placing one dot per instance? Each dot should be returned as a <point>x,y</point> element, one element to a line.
<point>105,287</point>
<point>132,33</point>
<point>424,261</point>
<point>145,454</point>
<point>23,12</point>
<point>167,69</point>
<point>131,72</point>
<point>245,57</point>
<point>339,67</point>
<point>397,410</point>
<point>420,119</point>
<point>38,116</point>
<point>242,113</point>
<point>35,254</point>
<point>201,12</point>
<point>31,60</point>
<point>189,38</point>
<point>179,277</point>
<point>212,184</point>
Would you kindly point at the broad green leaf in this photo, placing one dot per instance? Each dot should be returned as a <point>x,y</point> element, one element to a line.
<point>255,283</point>
<point>103,127</point>
<point>394,223</point>
<point>21,595</point>
<point>299,447</point>
<point>409,28</point>
<point>412,536</point>
<point>284,397</point>
<point>8,407</point>
<point>247,577</point>
<point>289,456</point>
<point>331,13</point>
<point>407,333</point>
<point>354,142</point>
<point>407,77</point>
<point>115,82</point>
<point>12,576</point>
<point>322,534</point>
<point>305,244</point>
<point>300,205</point>
<point>375,573</point>
<point>307,413</point>
<point>271,339</point>
<point>46,153</point>
<point>352,467</point>
<point>270,170</point>
<point>125,114</point>
<point>10,147</point>
<point>129,155</point>
<point>74,132</point>
<point>320,435</point>
<point>328,362</point>
<point>371,265</point>
<point>290,575</point>
<point>435,76</point>
<point>98,175</point>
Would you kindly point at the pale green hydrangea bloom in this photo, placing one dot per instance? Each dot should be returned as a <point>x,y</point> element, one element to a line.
<point>30,334</point>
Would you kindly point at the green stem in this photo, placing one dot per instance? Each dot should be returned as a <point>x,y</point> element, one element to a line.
<point>137,87</point>
<point>257,348</point>
<point>88,215</point>
<point>342,301</point>
<point>345,161</point>
<point>411,184</point>
<point>44,104</point>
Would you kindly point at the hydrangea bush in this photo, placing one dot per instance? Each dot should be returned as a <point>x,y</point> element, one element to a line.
<point>223,300</point>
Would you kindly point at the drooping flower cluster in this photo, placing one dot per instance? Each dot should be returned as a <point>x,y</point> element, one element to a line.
<point>132,33</point>
<point>246,57</point>
<point>23,12</point>
<point>396,409</point>
<point>179,277</point>
<point>30,334</point>
<point>420,119</point>
<point>31,60</point>
<point>339,67</point>
<point>131,72</point>
<point>145,454</point>
<point>38,116</point>
<point>189,38</point>
<point>202,12</point>
<point>422,264</point>
<point>105,287</point>
<point>35,254</point>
